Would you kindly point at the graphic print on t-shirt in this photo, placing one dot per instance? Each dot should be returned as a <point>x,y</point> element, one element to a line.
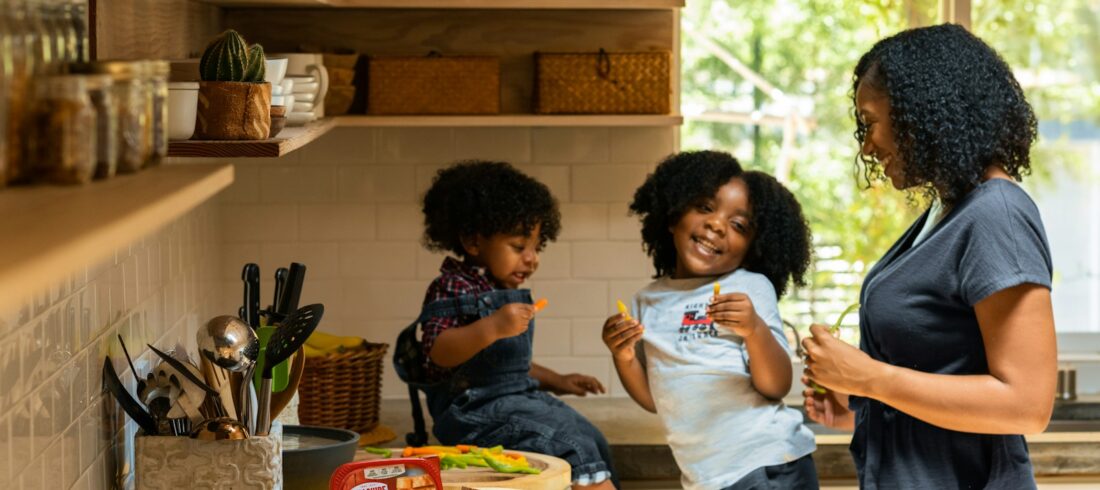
<point>695,324</point>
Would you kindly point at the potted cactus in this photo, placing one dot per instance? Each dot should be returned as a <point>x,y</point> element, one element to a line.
<point>234,99</point>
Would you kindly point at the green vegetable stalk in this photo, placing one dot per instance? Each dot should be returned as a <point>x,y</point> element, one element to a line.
<point>385,453</point>
<point>835,329</point>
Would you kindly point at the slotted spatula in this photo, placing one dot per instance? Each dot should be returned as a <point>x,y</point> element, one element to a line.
<point>287,339</point>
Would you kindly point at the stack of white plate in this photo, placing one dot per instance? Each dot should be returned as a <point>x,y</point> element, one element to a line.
<point>304,94</point>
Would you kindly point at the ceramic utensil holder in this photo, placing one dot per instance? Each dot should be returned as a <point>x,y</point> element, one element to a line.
<point>163,462</point>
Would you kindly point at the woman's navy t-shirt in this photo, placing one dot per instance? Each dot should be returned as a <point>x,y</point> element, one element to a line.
<point>918,312</point>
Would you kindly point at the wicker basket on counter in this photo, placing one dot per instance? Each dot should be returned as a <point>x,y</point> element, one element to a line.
<point>433,84</point>
<point>603,83</point>
<point>343,390</point>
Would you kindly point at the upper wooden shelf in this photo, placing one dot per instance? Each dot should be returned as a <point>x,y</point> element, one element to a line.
<point>288,140</point>
<point>511,120</point>
<point>458,4</point>
<point>54,231</point>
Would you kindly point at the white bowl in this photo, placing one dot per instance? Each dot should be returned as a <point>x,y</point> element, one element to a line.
<point>276,90</point>
<point>302,107</point>
<point>183,104</point>
<point>301,78</point>
<point>306,88</point>
<point>305,97</point>
<point>275,70</point>
<point>288,86</point>
<point>299,118</point>
<point>278,100</point>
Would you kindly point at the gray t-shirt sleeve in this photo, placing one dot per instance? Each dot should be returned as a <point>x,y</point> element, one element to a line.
<point>766,304</point>
<point>1006,246</point>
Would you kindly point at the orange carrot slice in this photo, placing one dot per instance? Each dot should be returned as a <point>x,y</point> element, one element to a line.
<point>540,304</point>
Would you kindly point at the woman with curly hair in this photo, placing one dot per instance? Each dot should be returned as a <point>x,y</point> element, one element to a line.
<point>957,352</point>
<point>714,362</point>
<point>474,357</point>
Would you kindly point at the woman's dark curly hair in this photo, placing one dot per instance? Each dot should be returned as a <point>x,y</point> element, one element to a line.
<point>478,198</point>
<point>955,105</point>
<point>780,249</point>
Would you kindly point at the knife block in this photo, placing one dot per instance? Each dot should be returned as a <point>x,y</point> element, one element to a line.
<point>164,462</point>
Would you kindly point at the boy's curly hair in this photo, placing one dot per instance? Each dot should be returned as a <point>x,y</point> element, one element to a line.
<point>473,198</point>
<point>955,105</point>
<point>780,249</point>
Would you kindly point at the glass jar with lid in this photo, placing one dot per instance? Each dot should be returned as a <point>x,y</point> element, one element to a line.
<point>101,93</point>
<point>133,102</point>
<point>64,128</point>
<point>157,79</point>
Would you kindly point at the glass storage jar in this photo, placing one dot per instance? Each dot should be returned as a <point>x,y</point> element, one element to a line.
<point>64,130</point>
<point>157,80</point>
<point>100,91</point>
<point>132,100</point>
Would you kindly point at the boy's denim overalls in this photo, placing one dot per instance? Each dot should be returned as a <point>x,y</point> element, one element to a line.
<point>491,399</point>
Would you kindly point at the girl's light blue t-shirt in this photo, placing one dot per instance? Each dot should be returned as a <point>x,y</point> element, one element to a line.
<point>718,426</point>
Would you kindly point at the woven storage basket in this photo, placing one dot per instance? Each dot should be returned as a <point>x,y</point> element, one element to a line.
<point>343,390</point>
<point>602,83</point>
<point>433,85</point>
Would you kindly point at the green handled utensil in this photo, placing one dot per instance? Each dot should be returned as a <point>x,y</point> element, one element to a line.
<point>280,374</point>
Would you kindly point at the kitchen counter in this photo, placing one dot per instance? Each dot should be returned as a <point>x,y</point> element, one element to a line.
<point>1068,450</point>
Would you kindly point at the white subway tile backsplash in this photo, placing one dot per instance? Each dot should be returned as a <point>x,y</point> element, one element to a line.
<point>425,174</point>
<point>570,145</point>
<point>356,184</point>
<point>319,258</point>
<point>428,263</point>
<point>585,221</point>
<point>335,222</point>
<point>609,260</point>
<point>415,145</point>
<point>400,222</point>
<point>255,223</point>
<point>552,337</point>
<point>394,183</point>
<point>512,145</point>
<point>299,184</point>
<point>341,146</point>
<point>595,367</point>
<point>587,340</point>
<point>624,290</point>
<point>621,225</point>
<point>641,145</point>
<point>554,262</point>
<point>246,186</point>
<point>606,183</point>
<point>378,260</point>
<point>381,300</point>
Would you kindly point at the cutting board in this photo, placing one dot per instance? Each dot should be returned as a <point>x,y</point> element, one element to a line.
<point>555,474</point>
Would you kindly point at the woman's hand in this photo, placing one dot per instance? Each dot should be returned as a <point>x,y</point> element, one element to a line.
<point>620,335</point>
<point>576,384</point>
<point>835,365</point>
<point>829,409</point>
<point>735,312</point>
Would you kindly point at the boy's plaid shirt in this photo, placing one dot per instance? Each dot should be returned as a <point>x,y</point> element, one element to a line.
<point>456,279</point>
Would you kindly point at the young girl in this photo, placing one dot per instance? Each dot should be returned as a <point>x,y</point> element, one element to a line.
<point>714,365</point>
<point>475,356</point>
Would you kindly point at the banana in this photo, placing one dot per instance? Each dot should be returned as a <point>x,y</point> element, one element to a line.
<point>333,343</point>
<point>310,351</point>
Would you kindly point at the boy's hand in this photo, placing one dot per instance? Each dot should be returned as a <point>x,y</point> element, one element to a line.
<point>620,335</point>
<point>735,312</point>
<point>512,319</point>
<point>576,384</point>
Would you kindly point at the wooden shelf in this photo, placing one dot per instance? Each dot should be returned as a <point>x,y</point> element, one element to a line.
<point>459,4</point>
<point>53,231</point>
<point>288,140</point>
<point>510,120</point>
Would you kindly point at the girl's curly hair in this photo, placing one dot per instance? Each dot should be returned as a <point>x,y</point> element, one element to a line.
<point>956,108</point>
<point>780,249</point>
<point>479,198</point>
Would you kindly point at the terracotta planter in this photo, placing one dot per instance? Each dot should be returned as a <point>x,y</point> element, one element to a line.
<point>233,111</point>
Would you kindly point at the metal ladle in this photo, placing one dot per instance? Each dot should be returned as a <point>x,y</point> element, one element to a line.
<point>229,343</point>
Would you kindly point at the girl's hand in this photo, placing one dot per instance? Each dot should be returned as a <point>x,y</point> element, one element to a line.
<point>512,319</point>
<point>829,409</point>
<point>620,335</point>
<point>735,312</point>
<point>576,384</point>
<point>835,365</point>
